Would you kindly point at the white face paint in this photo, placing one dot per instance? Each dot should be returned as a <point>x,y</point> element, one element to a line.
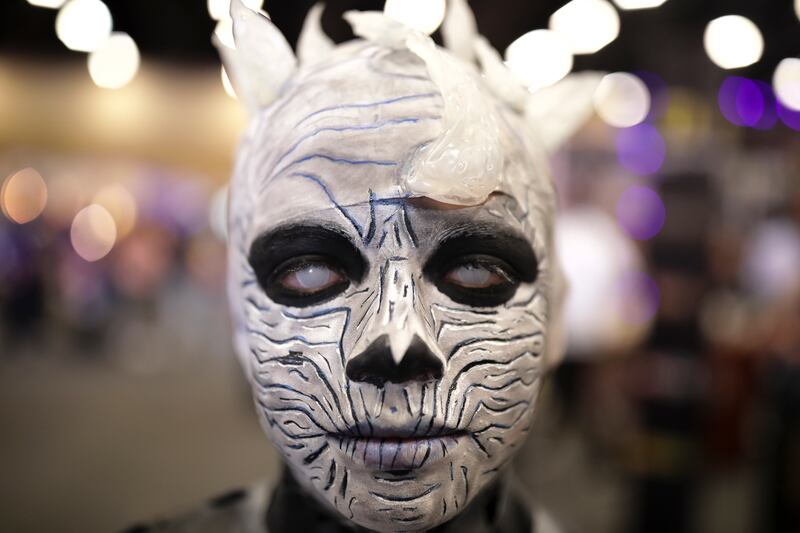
<point>395,344</point>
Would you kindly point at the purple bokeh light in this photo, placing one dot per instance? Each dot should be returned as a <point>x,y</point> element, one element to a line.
<point>640,298</point>
<point>788,116</point>
<point>746,102</point>
<point>640,212</point>
<point>641,149</point>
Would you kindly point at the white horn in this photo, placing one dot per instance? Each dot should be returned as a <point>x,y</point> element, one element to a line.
<point>460,30</point>
<point>313,45</point>
<point>262,60</point>
<point>556,113</point>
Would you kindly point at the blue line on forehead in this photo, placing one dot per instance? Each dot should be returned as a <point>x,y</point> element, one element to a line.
<point>367,105</point>
<point>316,179</point>
<point>331,158</point>
<point>361,127</point>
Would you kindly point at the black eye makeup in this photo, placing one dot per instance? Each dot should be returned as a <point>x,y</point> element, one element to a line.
<point>481,266</point>
<point>305,265</point>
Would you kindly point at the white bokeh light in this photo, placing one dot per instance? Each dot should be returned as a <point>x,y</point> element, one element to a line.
<point>219,9</point>
<point>83,25</point>
<point>224,32</point>
<point>115,63</point>
<point>423,15</point>
<point>52,4</point>
<point>733,41</point>
<point>797,8</point>
<point>539,58</point>
<point>93,232</point>
<point>639,4</point>
<point>622,100</point>
<point>786,82</point>
<point>587,25</point>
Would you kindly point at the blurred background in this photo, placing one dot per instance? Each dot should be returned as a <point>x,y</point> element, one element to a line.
<point>678,405</point>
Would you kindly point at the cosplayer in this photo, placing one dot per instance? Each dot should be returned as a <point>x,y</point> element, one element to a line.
<point>392,280</point>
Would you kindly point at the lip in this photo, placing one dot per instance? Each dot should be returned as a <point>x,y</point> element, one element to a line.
<point>392,450</point>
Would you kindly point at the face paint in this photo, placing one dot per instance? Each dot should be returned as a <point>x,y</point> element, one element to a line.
<point>395,344</point>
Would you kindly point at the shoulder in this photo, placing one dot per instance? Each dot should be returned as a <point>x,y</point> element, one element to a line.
<point>237,511</point>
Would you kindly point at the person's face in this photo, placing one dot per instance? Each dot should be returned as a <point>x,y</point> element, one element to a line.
<point>394,344</point>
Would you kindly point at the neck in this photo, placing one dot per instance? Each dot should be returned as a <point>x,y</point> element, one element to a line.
<point>498,509</point>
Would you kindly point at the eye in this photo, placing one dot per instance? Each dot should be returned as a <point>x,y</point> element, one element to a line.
<point>310,278</point>
<point>306,280</point>
<point>476,276</point>
<point>478,280</point>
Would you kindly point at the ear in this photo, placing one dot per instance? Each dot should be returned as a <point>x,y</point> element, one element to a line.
<point>262,60</point>
<point>313,44</point>
<point>556,113</point>
<point>459,30</point>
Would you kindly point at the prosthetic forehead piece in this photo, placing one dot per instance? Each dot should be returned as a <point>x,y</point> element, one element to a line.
<point>355,139</point>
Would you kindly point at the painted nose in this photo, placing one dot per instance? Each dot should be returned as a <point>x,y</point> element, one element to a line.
<point>376,365</point>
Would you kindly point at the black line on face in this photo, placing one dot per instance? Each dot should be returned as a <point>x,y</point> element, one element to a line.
<point>482,244</point>
<point>274,251</point>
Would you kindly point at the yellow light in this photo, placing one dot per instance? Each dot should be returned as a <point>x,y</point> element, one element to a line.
<point>23,196</point>
<point>220,9</point>
<point>83,25</point>
<point>115,63</point>
<point>423,15</point>
<point>638,4</point>
<point>52,4</point>
<point>621,100</point>
<point>539,58</point>
<point>93,232</point>
<point>120,203</point>
<point>588,25</point>
<point>226,83</point>
<point>733,41</point>
<point>797,8</point>
<point>786,82</point>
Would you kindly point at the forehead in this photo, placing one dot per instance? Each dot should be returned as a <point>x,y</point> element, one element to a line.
<point>342,136</point>
<point>343,129</point>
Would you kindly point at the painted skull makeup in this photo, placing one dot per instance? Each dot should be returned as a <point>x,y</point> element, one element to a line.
<point>394,328</point>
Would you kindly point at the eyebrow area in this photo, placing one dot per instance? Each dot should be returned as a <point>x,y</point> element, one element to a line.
<point>485,239</point>
<point>274,247</point>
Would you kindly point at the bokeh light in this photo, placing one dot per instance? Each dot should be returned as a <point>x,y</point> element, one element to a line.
<point>641,149</point>
<point>595,255</point>
<point>638,4</point>
<point>52,4</point>
<point>539,58</point>
<point>786,82</point>
<point>23,196</point>
<point>733,42</point>
<point>93,232</point>
<point>772,265</point>
<point>219,9</point>
<point>115,63</point>
<point>83,25</point>
<point>639,298</point>
<point>790,117</point>
<point>746,102</point>
<point>224,32</point>
<point>640,212</point>
<point>226,83</point>
<point>587,25</point>
<point>423,15</point>
<point>797,8</point>
<point>120,204</point>
<point>622,100</point>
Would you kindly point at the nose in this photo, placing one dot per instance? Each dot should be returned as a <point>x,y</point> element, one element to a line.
<point>376,365</point>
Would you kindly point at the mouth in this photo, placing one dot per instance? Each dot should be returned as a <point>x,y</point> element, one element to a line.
<point>394,450</point>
